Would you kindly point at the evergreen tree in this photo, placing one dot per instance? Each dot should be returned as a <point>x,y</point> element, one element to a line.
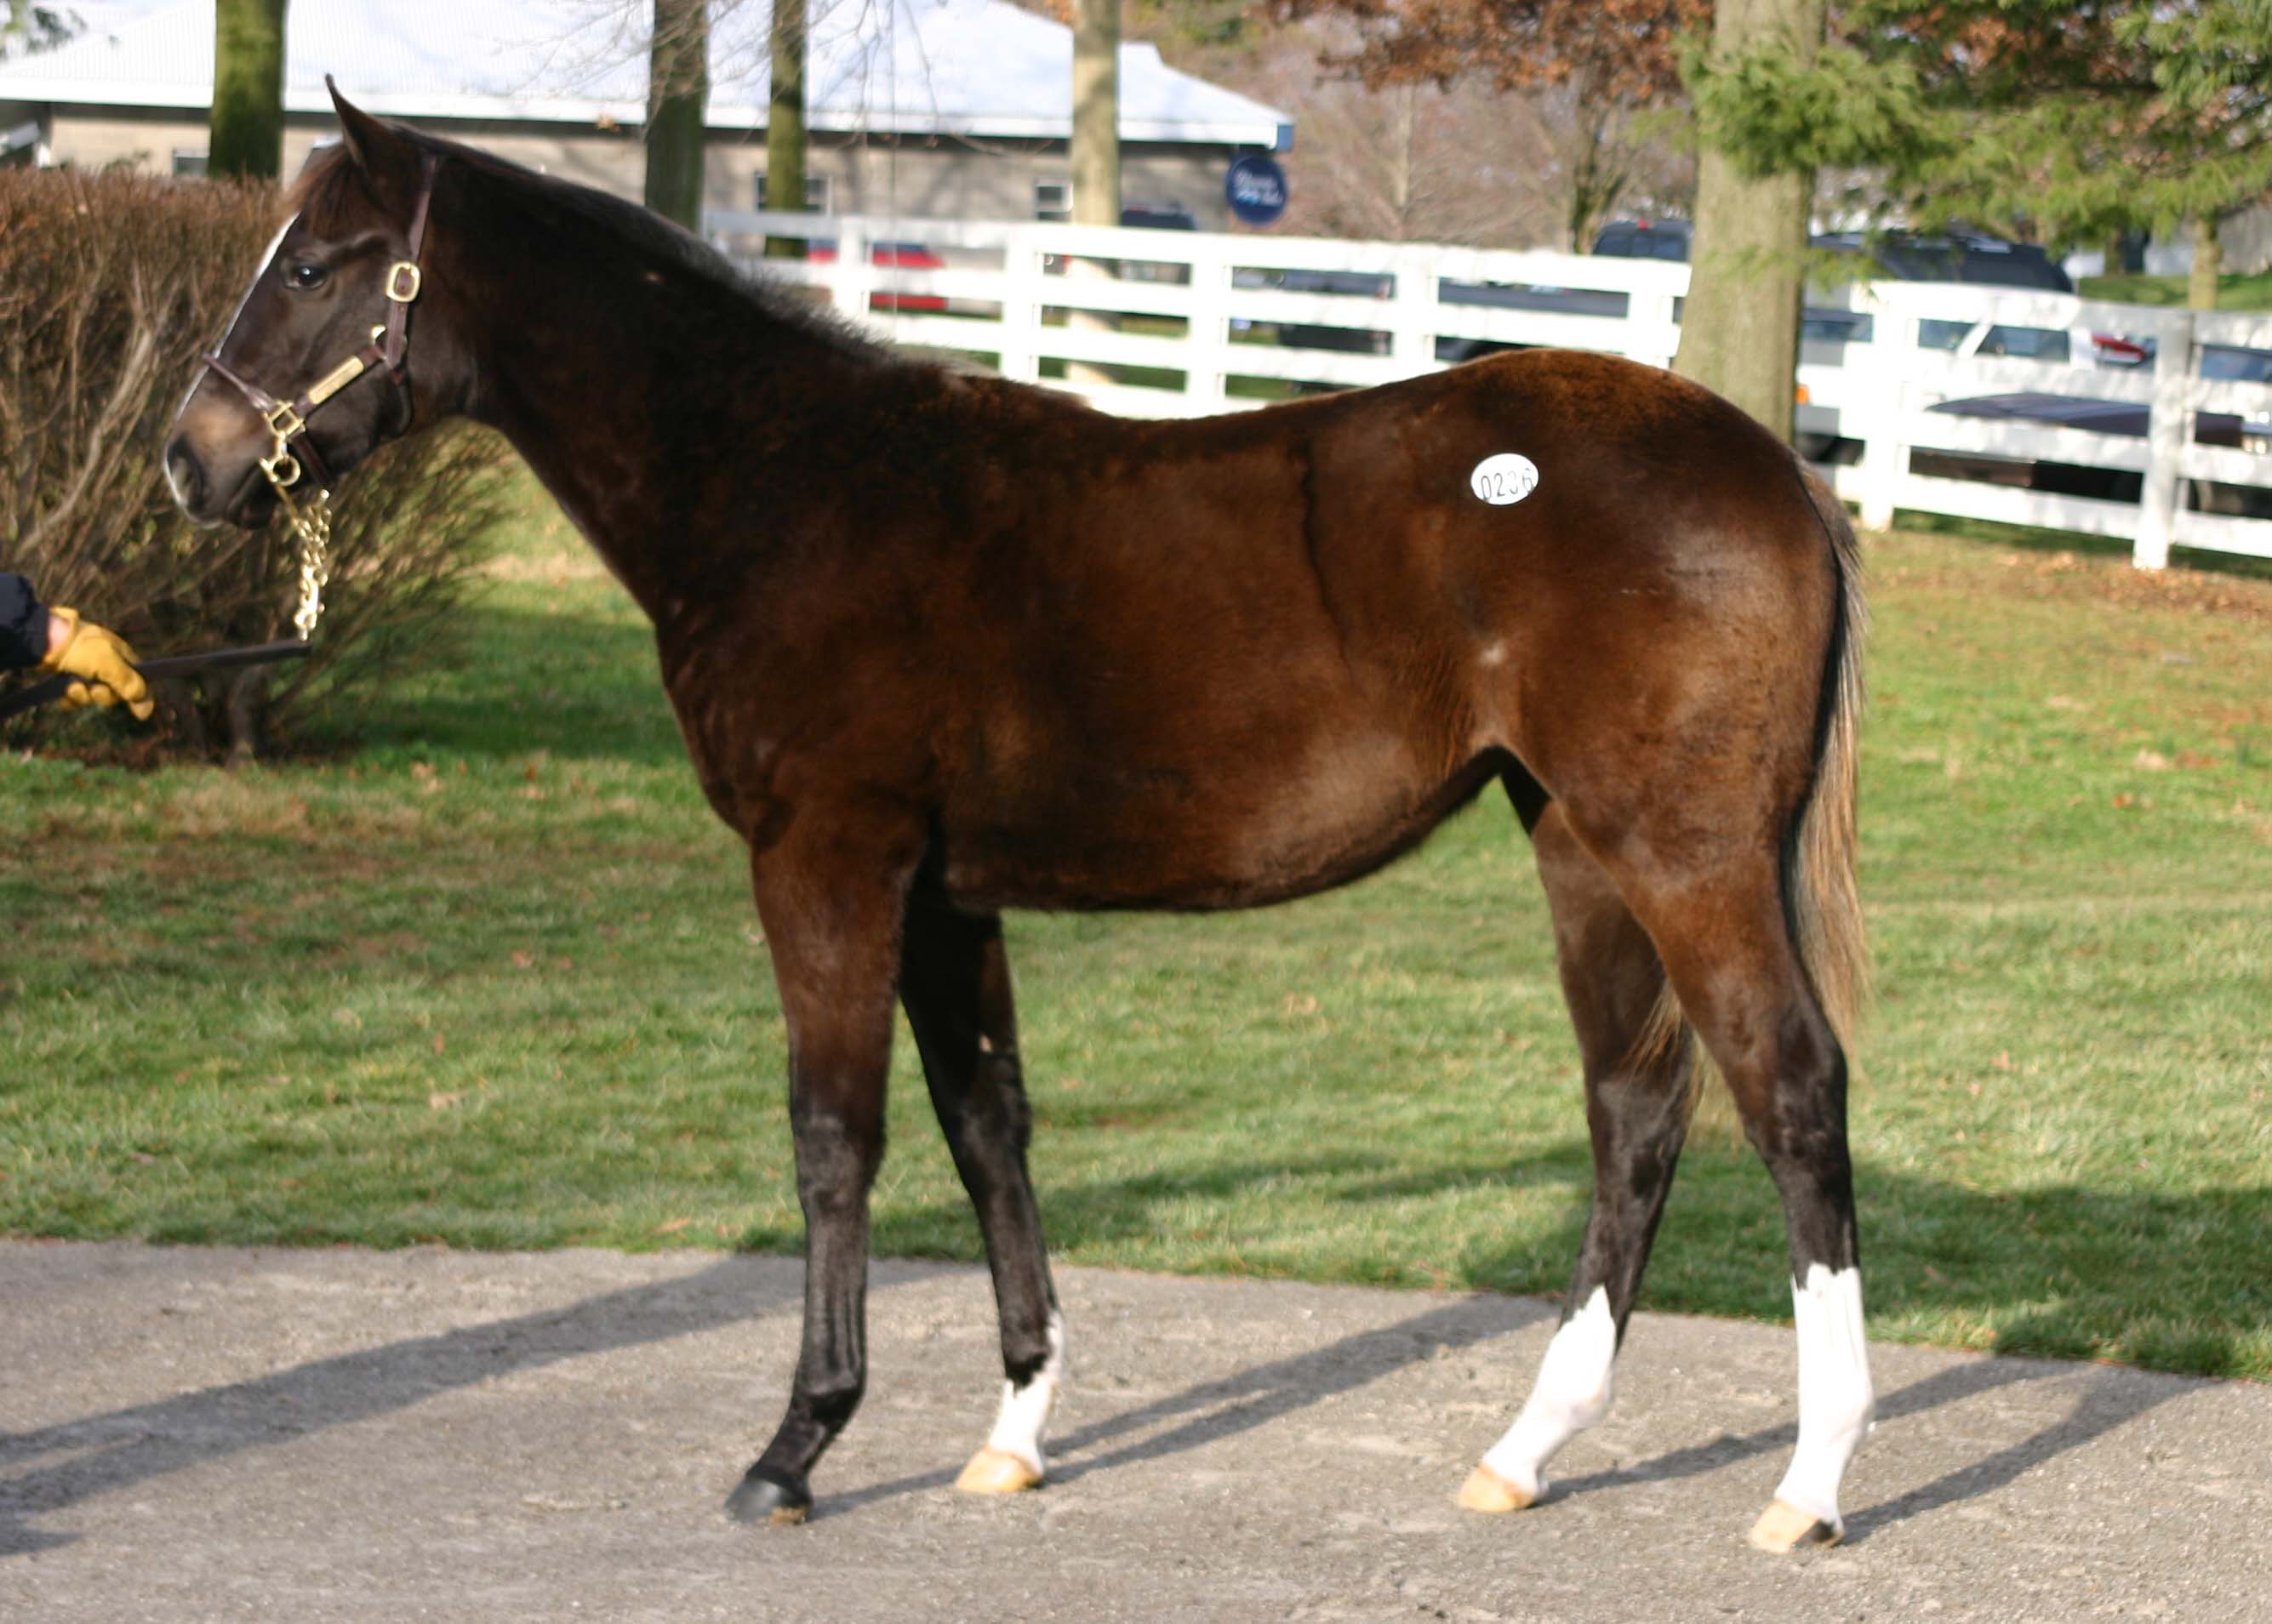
<point>2065,123</point>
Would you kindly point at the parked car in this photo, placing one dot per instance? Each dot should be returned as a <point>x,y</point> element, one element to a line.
<point>1952,257</point>
<point>901,256</point>
<point>1644,239</point>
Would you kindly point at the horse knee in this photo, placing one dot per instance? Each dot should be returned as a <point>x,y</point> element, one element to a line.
<point>837,1157</point>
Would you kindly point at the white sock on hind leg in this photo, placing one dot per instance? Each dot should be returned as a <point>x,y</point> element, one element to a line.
<point>1572,1393</point>
<point>1834,1398</point>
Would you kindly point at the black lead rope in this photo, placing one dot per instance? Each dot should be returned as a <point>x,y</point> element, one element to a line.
<point>172,665</point>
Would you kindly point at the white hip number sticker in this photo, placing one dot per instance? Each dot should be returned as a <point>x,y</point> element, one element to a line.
<point>1508,477</point>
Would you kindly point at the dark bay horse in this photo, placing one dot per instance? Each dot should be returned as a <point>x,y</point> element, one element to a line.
<point>945,644</point>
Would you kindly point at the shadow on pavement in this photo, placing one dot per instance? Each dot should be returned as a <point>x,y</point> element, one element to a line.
<point>126,1446</point>
<point>2112,1398</point>
<point>1251,1398</point>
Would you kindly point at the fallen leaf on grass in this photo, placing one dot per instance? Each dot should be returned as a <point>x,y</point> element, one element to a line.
<point>442,1102</point>
<point>672,1227</point>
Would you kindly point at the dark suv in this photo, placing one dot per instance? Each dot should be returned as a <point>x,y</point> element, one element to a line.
<point>1644,239</point>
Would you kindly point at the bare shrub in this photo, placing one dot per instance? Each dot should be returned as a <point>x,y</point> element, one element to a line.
<point>110,285</point>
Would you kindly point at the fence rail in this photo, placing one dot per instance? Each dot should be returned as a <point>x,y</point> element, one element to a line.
<point>1956,400</point>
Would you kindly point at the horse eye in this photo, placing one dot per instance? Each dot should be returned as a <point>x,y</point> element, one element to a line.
<point>306,276</point>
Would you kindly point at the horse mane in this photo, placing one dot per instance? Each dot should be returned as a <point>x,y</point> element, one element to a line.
<point>330,179</point>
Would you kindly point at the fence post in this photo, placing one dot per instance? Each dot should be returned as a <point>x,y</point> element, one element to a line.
<point>2169,430</point>
<point>1022,307</point>
<point>1209,333</point>
<point>1412,320</point>
<point>1885,450</point>
<point>848,288</point>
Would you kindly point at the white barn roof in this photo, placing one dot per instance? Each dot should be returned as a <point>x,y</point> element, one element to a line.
<point>914,67</point>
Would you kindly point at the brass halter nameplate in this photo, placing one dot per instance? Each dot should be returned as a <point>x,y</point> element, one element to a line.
<point>337,379</point>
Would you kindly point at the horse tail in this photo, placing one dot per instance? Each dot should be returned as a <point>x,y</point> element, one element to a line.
<point>1822,896</point>
<point>1822,901</point>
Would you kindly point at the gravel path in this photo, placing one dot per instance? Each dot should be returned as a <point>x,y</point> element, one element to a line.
<point>191,1434</point>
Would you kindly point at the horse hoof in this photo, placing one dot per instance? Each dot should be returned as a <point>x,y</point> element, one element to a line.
<point>1783,1528</point>
<point>996,1471</point>
<point>761,1499</point>
<point>1486,1491</point>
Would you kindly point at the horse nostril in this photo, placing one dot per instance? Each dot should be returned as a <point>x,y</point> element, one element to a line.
<point>185,474</point>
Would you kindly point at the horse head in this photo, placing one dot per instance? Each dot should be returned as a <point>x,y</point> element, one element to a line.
<point>314,372</point>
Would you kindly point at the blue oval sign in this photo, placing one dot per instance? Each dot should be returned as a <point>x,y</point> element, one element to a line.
<point>1255,189</point>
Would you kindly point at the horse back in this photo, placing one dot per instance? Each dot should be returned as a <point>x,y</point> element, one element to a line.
<point>1222,661</point>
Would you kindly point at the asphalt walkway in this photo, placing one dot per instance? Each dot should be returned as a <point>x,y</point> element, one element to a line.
<point>200,1434</point>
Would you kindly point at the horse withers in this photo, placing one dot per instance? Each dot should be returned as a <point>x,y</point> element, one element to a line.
<point>945,644</point>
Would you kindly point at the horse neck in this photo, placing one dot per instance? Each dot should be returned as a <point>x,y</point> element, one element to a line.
<point>637,388</point>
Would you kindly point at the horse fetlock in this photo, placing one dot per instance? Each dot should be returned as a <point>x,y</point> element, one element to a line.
<point>1013,1459</point>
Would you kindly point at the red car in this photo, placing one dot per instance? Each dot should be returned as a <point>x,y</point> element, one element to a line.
<point>905,255</point>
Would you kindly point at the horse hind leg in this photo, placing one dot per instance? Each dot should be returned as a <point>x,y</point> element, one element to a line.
<point>1638,1097</point>
<point>1727,946</point>
<point>954,984</point>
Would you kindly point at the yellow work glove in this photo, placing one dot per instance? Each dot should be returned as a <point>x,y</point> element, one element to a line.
<point>106,664</point>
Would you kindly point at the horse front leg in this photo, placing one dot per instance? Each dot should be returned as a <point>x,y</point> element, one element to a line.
<point>954,981</point>
<point>831,907</point>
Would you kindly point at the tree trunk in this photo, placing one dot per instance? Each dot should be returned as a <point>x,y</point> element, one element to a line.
<point>1404,118</point>
<point>678,97</point>
<point>1095,153</point>
<point>785,123</point>
<point>1096,112</point>
<point>246,136</point>
<point>2208,265</point>
<point>1739,330</point>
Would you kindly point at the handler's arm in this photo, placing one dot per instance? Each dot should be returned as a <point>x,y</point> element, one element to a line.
<point>24,631</point>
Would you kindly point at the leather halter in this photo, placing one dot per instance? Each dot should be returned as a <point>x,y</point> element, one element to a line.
<point>390,347</point>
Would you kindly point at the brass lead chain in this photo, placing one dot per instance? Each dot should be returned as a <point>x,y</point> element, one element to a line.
<point>312,525</point>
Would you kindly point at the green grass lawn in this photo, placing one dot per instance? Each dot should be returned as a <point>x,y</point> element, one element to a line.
<point>493,979</point>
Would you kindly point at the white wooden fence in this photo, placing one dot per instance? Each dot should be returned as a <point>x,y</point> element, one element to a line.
<point>1221,323</point>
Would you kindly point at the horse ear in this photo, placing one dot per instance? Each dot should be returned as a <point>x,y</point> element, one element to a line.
<point>377,148</point>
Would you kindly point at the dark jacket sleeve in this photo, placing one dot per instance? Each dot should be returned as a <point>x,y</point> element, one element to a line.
<point>23,623</point>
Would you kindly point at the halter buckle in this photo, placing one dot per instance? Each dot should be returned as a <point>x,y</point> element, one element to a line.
<point>283,423</point>
<point>396,289</point>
